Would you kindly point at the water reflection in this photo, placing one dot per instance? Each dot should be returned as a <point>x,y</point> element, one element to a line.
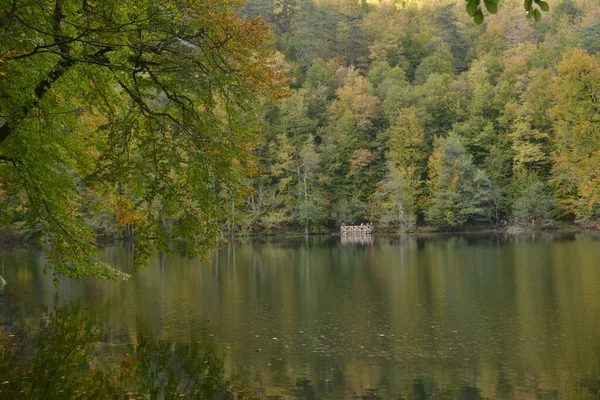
<point>365,240</point>
<point>64,356</point>
<point>470,316</point>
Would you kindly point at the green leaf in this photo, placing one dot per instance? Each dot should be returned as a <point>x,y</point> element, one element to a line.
<point>472,7</point>
<point>478,18</point>
<point>491,6</point>
<point>527,4</point>
<point>529,14</point>
<point>544,6</point>
<point>537,15</point>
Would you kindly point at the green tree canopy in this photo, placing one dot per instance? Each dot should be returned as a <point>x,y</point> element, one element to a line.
<point>148,105</point>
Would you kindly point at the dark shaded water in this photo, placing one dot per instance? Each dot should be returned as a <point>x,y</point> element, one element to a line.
<point>410,317</point>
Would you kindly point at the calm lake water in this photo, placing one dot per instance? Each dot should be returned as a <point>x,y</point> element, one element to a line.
<point>419,317</point>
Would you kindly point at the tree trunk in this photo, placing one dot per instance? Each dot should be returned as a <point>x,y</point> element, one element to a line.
<point>231,228</point>
<point>307,223</point>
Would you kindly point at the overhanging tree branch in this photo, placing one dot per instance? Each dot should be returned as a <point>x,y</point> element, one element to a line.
<point>42,88</point>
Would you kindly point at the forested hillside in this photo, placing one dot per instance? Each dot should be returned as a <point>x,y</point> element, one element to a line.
<point>173,123</point>
<point>408,114</point>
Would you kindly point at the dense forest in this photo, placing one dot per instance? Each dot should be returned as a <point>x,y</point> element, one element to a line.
<point>408,114</point>
<point>187,121</point>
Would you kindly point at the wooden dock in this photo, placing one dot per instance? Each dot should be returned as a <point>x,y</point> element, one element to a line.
<point>356,229</point>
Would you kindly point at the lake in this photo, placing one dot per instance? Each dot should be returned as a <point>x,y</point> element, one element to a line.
<point>415,317</point>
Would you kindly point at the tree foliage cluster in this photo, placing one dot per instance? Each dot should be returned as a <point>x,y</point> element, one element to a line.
<point>127,114</point>
<point>409,114</point>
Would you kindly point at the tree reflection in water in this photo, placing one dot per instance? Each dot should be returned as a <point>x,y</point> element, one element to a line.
<point>63,357</point>
<point>60,360</point>
<point>412,317</point>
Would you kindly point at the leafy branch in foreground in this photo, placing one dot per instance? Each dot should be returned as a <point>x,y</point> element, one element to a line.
<point>149,106</point>
<point>532,7</point>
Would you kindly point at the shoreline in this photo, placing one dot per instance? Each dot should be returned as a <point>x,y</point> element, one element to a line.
<point>11,240</point>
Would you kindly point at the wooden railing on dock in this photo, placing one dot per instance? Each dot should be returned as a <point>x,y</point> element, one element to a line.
<point>356,229</point>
